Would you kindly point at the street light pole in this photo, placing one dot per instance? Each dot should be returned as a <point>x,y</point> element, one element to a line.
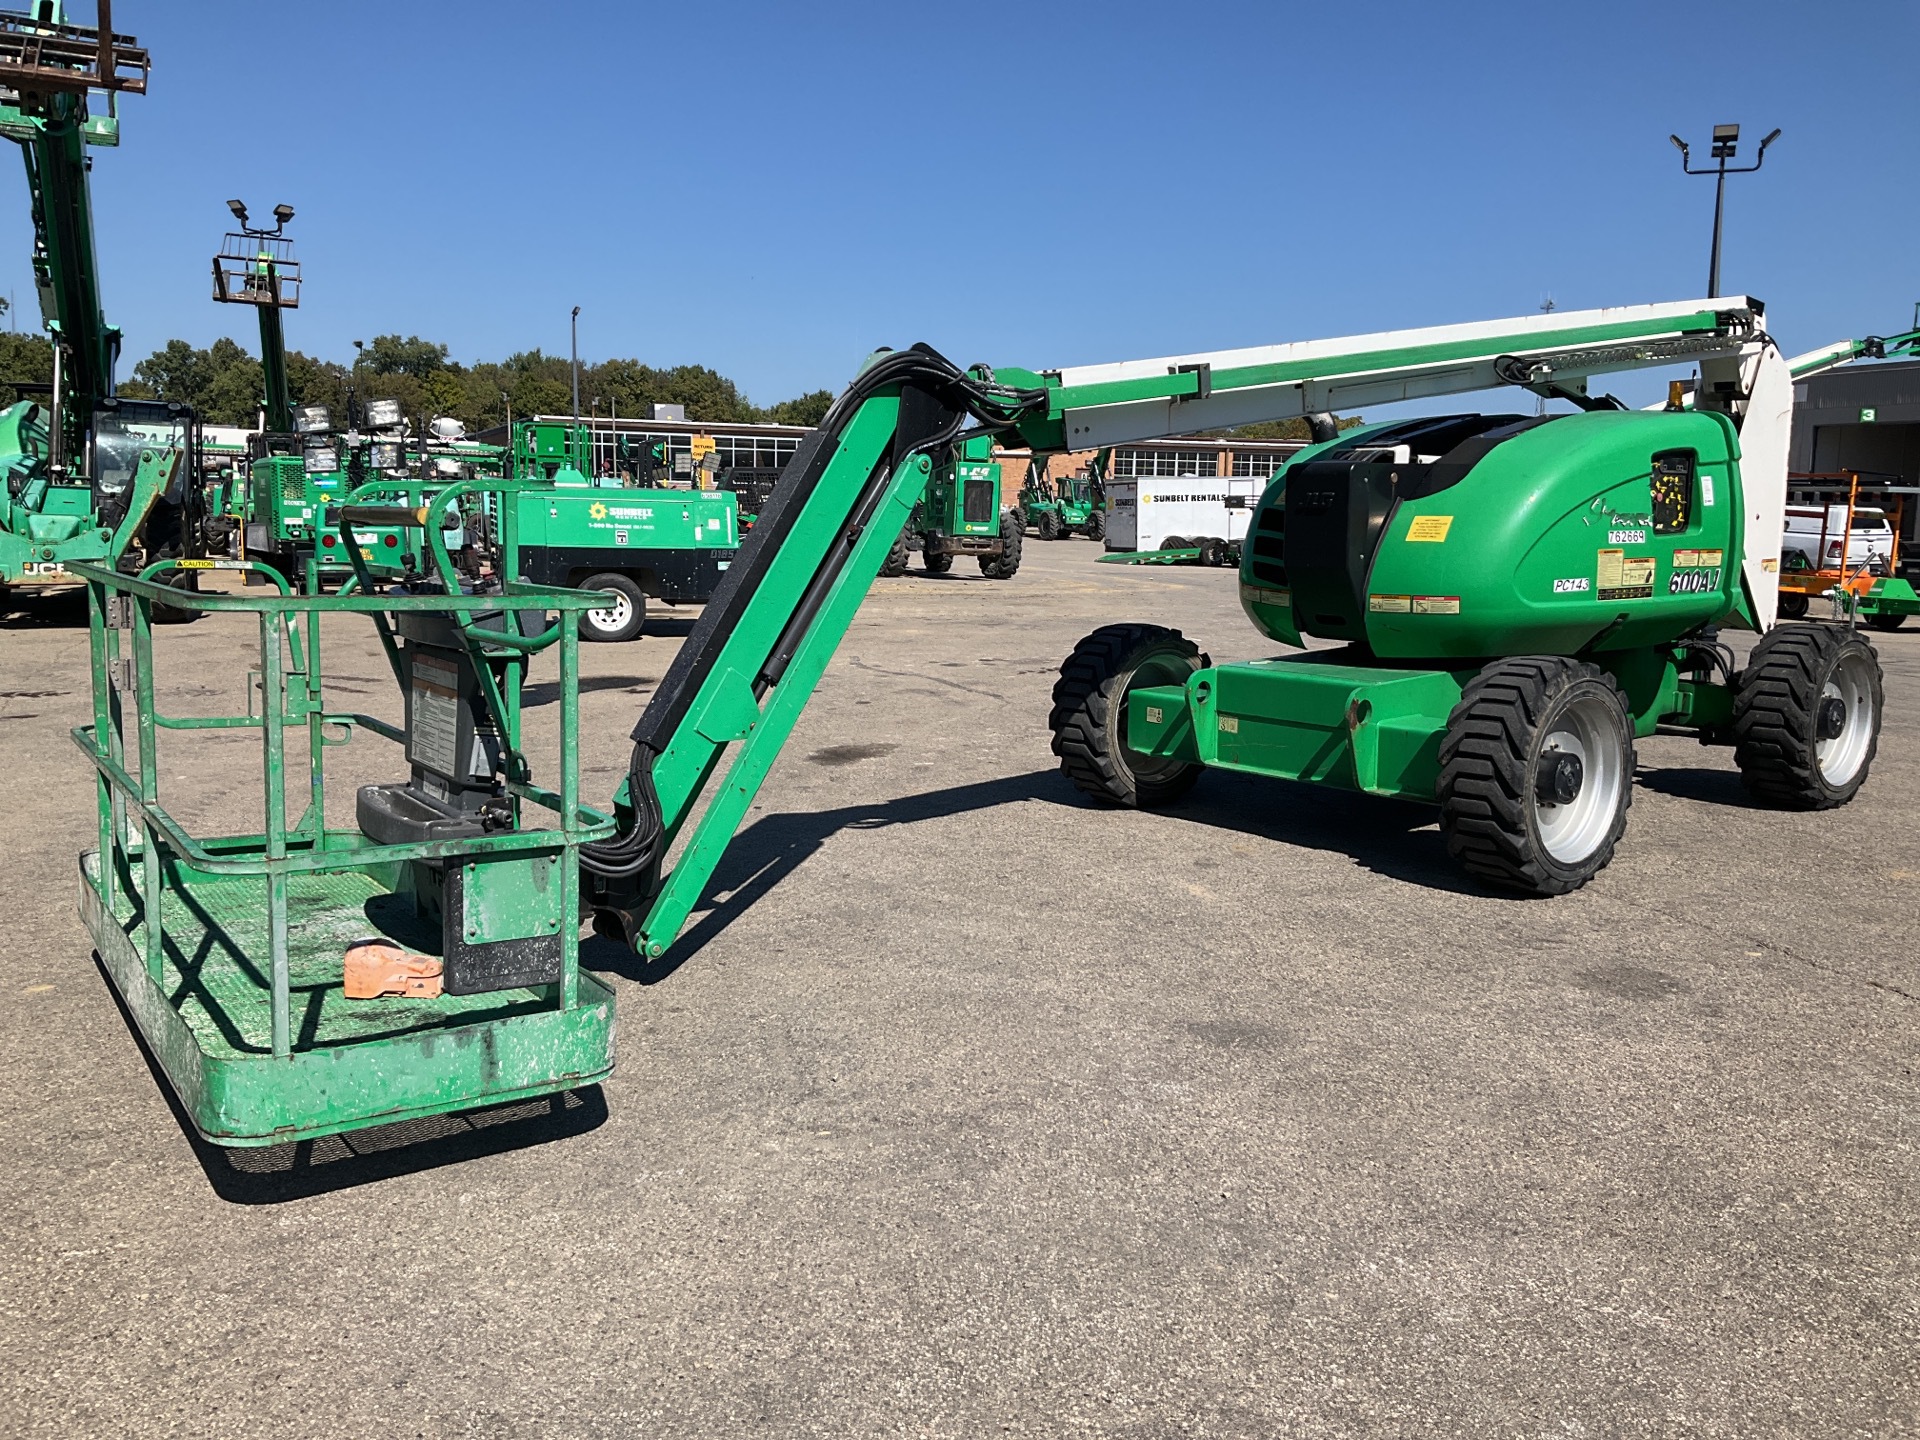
<point>574,438</point>
<point>1726,140</point>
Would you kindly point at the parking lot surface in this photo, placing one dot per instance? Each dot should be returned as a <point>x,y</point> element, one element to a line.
<point>964,1108</point>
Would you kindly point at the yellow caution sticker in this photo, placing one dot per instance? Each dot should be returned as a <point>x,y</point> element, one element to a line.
<point>1257,595</point>
<point>1436,604</point>
<point>1698,559</point>
<point>1390,604</point>
<point>1431,528</point>
<point>1772,567</point>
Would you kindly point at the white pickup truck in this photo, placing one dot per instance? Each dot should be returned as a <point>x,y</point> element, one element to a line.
<point>1816,538</point>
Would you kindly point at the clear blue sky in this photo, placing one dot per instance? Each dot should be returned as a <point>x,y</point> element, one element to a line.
<point>774,190</point>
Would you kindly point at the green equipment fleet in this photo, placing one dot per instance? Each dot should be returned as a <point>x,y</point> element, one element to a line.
<point>84,475</point>
<point>1505,605</point>
<point>1068,505</point>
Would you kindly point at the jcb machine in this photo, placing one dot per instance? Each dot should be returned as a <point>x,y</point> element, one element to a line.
<point>81,472</point>
<point>1515,599</point>
<point>960,514</point>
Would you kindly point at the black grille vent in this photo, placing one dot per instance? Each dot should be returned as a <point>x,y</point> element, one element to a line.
<point>1270,547</point>
<point>976,502</point>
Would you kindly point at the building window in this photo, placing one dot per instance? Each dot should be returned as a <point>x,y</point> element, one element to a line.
<point>1260,463</point>
<point>1133,462</point>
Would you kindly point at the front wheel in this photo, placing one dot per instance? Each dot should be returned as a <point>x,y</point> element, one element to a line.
<point>935,562</point>
<point>1793,606</point>
<point>1004,565</point>
<point>1885,623</point>
<point>623,619</point>
<point>1097,525</point>
<point>1806,716</point>
<point>1089,717</point>
<point>1049,525</point>
<point>1536,774</point>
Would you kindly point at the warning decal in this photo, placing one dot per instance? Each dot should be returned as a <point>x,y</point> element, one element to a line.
<point>1432,528</point>
<point>1621,578</point>
<point>1390,604</point>
<point>1436,604</point>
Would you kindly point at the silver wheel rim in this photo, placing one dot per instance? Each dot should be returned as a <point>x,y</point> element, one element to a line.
<point>1840,758</point>
<point>1588,729</point>
<point>613,617</point>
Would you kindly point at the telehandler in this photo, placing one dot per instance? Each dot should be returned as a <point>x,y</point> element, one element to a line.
<point>1512,600</point>
<point>84,474</point>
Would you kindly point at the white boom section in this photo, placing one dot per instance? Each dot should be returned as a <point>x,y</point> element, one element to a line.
<point>1395,365</point>
<point>1741,374</point>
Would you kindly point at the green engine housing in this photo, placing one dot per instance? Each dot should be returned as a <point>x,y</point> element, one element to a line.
<point>1471,536</point>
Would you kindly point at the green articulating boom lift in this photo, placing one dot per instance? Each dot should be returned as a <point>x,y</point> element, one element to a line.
<point>1516,599</point>
<point>82,474</point>
<point>960,514</point>
<point>1071,505</point>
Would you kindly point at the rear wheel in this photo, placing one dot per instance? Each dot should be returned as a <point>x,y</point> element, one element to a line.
<point>1793,606</point>
<point>623,619</point>
<point>1089,717</point>
<point>896,561</point>
<point>1536,774</point>
<point>1097,525</point>
<point>936,562</point>
<point>1806,717</point>
<point>1886,623</point>
<point>1049,525</point>
<point>1007,562</point>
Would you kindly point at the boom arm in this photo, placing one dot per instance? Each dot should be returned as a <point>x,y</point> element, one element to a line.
<point>745,672</point>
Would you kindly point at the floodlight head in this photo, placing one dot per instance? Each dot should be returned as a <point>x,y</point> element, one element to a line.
<point>1772,136</point>
<point>282,213</point>
<point>1678,143</point>
<point>1728,133</point>
<point>384,414</point>
<point>239,211</point>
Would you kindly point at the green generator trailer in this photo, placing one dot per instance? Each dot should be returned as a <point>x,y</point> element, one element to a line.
<point>958,515</point>
<point>1499,607</point>
<point>625,543</point>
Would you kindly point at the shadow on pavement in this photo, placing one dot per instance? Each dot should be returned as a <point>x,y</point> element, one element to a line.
<point>1394,838</point>
<point>64,609</point>
<point>304,1168</point>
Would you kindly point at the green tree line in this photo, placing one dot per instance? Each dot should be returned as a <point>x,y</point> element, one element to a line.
<point>224,384</point>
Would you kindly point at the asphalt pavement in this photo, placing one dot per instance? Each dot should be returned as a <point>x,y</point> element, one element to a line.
<point>966,1109</point>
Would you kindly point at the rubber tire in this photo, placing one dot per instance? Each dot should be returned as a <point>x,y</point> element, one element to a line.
<point>935,564</point>
<point>1775,706</point>
<point>1096,526</point>
<point>1006,564</point>
<point>1792,606</point>
<point>1049,525</point>
<point>165,614</point>
<point>1488,755</point>
<point>1884,623</point>
<point>1089,713</point>
<point>1176,542</point>
<point>896,562</point>
<point>636,609</point>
